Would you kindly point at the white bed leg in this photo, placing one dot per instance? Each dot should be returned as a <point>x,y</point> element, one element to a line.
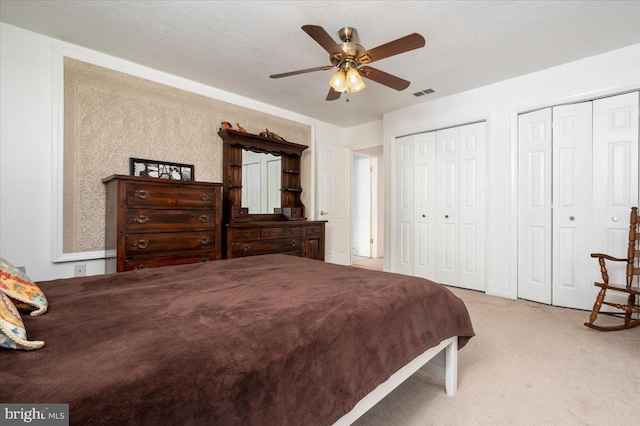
<point>451,367</point>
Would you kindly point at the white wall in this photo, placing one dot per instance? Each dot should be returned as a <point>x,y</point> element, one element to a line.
<point>499,104</point>
<point>29,75</point>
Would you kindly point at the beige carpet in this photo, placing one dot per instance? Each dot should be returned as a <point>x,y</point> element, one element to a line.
<point>529,364</point>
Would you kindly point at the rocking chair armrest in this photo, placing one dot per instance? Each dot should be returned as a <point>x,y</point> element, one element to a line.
<point>603,268</point>
<point>606,256</point>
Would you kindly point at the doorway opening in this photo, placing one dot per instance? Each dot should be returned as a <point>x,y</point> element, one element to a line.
<point>367,203</point>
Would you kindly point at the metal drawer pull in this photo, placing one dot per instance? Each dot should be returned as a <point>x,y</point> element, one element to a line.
<point>141,219</point>
<point>141,193</point>
<point>204,218</point>
<point>292,244</point>
<point>246,233</point>
<point>141,244</point>
<point>205,197</point>
<point>205,240</point>
<point>572,218</point>
<point>245,248</point>
<point>204,260</point>
<point>139,267</point>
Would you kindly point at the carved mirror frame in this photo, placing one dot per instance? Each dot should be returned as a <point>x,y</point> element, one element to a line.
<point>234,143</point>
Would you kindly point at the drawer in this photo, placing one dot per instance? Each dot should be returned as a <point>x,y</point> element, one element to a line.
<point>245,233</point>
<point>149,194</point>
<point>271,232</point>
<point>148,219</point>
<point>292,231</point>
<point>254,247</point>
<point>315,229</point>
<point>154,262</point>
<point>141,244</point>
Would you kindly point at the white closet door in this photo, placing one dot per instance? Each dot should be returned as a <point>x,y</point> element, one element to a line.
<point>448,206</point>
<point>404,201</point>
<point>424,200</point>
<point>472,206</point>
<point>572,206</point>
<point>615,154</point>
<point>534,209</point>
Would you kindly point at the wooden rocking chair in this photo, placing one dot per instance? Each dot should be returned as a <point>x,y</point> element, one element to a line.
<point>631,288</point>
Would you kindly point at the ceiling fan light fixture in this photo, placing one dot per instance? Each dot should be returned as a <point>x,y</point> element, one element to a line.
<point>354,81</point>
<point>339,81</point>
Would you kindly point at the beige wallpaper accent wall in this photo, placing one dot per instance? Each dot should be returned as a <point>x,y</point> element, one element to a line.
<point>110,116</point>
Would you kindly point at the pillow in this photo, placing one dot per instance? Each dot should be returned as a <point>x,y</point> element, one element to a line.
<point>15,284</point>
<point>13,335</point>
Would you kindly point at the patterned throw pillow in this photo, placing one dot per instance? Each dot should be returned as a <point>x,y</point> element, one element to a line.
<point>13,335</point>
<point>15,284</point>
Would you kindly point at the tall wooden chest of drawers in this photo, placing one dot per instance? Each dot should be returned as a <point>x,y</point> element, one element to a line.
<point>154,222</point>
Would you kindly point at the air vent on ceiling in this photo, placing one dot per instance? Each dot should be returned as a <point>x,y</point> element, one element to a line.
<point>423,92</point>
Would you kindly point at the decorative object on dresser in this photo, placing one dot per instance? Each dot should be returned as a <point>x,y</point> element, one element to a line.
<point>285,228</point>
<point>153,222</point>
<point>160,169</point>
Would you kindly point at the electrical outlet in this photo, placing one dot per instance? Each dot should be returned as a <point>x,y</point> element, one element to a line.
<point>80,270</point>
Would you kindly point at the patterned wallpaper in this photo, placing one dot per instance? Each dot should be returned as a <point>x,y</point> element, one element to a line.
<point>110,116</point>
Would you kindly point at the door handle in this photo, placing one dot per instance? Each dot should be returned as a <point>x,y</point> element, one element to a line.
<point>322,212</point>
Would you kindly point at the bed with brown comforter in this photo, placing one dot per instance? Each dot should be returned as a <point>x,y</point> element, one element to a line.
<point>263,340</point>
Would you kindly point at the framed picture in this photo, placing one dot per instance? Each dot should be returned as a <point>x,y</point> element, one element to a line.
<point>160,169</point>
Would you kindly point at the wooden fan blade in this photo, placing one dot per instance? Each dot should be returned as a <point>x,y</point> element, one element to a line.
<point>401,45</point>
<point>287,74</point>
<point>333,94</point>
<point>323,39</point>
<point>384,78</point>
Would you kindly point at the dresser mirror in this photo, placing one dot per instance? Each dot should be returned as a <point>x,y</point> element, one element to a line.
<point>261,178</point>
<point>261,182</point>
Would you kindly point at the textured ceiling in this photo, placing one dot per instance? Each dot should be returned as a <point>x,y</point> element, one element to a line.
<point>235,46</point>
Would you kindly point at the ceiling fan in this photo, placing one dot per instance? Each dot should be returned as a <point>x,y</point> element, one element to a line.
<point>351,60</point>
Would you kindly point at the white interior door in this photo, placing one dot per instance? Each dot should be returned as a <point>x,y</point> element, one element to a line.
<point>403,232</point>
<point>472,148</point>
<point>448,206</point>
<point>333,194</point>
<point>572,206</point>
<point>615,168</point>
<point>534,206</point>
<point>424,204</point>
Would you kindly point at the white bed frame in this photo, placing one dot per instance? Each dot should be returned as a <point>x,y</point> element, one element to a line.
<point>440,361</point>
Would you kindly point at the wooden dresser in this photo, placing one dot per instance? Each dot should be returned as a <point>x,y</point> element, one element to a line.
<point>301,238</point>
<point>154,222</point>
<point>283,230</point>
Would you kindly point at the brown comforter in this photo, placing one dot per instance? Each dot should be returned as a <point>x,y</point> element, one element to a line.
<point>264,340</point>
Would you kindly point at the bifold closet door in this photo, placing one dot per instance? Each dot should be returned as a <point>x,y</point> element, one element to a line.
<point>460,206</point>
<point>572,174</point>
<point>534,206</point>
<point>577,185</point>
<point>424,204</point>
<point>615,169</point>
<point>404,206</point>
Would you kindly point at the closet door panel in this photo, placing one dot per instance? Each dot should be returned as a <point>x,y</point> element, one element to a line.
<point>572,206</point>
<point>615,153</point>
<point>404,200</point>
<point>447,216</point>
<point>424,204</point>
<point>534,209</point>
<point>472,205</point>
